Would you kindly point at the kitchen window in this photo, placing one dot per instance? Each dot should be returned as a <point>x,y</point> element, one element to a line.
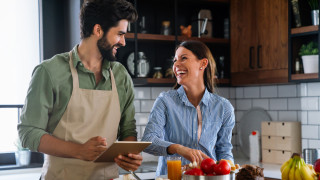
<point>20,53</point>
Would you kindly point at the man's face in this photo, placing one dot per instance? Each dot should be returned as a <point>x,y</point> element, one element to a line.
<point>112,40</point>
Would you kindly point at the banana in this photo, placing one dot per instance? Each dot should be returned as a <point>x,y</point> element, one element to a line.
<point>310,166</point>
<point>285,171</point>
<point>297,174</point>
<point>292,169</point>
<point>286,164</point>
<point>305,171</point>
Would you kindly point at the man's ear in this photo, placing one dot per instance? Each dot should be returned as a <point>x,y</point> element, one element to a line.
<point>97,31</point>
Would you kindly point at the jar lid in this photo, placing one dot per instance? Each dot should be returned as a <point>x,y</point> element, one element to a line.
<point>166,23</point>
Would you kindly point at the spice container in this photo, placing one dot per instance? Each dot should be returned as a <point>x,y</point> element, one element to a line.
<point>157,72</point>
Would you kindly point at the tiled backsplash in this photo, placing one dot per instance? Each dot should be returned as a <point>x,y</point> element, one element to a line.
<point>296,102</point>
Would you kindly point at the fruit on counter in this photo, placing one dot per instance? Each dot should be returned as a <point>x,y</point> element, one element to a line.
<point>295,169</point>
<point>250,172</point>
<point>222,167</point>
<point>207,165</point>
<point>194,172</point>
<point>210,167</point>
<point>316,166</point>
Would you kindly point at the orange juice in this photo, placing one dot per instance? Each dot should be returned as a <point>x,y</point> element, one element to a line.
<point>174,168</point>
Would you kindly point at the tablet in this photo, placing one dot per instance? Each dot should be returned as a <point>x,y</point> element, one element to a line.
<point>123,148</point>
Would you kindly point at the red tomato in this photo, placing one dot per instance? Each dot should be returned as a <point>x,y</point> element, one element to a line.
<point>195,172</point>
<point>222,168</point>
<point>207,165</point>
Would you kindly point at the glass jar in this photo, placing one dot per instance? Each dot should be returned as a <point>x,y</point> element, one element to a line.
<point>157,72</point>
<point>165,29</point>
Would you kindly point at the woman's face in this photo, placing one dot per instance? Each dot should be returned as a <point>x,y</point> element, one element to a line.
<point>187,67</point>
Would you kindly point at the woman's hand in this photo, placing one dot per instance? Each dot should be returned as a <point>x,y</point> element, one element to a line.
<point>91,149</point>
<point>131,162</point>
<point>193,155</point>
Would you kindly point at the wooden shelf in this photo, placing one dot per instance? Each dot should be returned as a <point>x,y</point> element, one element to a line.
<point>304,29</point>
<point>159,37</point>
<point>154,37</point>
<point>214,1</point>
<point>166,82</point>
<point>304,76</point>
<point>206,40</point>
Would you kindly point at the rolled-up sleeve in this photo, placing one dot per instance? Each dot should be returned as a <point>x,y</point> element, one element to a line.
<point>37,109</point>
<point>127,125</point>
<point>154,131</point>
<point>223,146</point>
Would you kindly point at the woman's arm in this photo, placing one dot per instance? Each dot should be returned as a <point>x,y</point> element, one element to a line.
<point>223,146</point>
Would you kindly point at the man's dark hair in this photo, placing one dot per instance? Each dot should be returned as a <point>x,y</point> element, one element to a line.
<point>106,13</point>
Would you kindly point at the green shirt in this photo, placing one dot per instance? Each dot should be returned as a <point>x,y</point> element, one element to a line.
<point>50,91</point>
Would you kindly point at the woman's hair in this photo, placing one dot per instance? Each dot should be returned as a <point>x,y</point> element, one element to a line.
<point>200,50</point>
<point>106,13</point>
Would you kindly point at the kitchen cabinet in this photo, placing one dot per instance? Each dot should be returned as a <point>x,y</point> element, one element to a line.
<point>259,41</point>
<point>298,36</point>
<point>146,36</point>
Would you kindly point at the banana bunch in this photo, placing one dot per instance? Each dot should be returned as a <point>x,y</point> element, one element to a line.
<point>296,169</point>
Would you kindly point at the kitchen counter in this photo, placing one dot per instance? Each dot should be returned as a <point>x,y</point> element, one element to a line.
<point>271,171</point>
<point>146,171</point>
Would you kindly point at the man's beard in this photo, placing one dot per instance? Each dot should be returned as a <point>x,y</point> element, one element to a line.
<point>106,49</point>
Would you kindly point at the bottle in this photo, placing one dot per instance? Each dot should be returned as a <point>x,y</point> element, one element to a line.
<point>297,66</point>
<point>221,61</point>
<point>254,147</point>
<point>165,29</point>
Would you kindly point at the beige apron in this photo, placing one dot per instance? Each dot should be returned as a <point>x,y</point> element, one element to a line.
<point>89,113</point>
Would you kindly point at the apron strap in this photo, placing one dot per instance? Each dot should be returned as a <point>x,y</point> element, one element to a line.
<point>113,82</point>
<point>73,72</point>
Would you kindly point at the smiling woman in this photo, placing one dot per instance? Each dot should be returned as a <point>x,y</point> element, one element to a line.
<point>20,52</point>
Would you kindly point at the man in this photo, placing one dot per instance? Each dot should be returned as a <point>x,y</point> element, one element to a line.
<point>80,102</point>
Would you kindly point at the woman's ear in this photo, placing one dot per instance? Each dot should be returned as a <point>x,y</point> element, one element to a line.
<point>204,63</point>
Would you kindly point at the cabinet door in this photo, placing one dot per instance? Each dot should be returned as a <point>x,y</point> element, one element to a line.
<point>243,35</point>
<point>272,33</point>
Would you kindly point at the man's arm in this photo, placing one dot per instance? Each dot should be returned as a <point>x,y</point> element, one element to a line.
<point>88,151</point>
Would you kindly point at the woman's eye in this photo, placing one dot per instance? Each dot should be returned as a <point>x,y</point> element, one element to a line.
<point>174,60</point>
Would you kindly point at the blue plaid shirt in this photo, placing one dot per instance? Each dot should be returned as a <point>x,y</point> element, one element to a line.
<point>173,120</point>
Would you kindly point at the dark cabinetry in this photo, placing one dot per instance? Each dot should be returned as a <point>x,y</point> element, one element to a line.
<point>146,35</point>
<point>259,41</point>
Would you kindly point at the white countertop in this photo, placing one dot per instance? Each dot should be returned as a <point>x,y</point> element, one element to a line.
<point>270,170</point>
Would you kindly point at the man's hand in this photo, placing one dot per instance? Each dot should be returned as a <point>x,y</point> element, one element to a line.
<point>91,149</point>
<point>131,162</point>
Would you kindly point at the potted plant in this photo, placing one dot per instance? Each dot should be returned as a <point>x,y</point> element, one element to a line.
<point>22,154</point>
<point>310,57</point>
<point>314,4</point>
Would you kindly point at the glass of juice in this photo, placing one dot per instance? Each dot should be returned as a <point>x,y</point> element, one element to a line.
<point>174,168</point>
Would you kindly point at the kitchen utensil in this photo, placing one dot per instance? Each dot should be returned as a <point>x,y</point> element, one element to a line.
<point>250,121</point>
<point>310,155</point>
<point>204,23</point>
<point>134,175</point>
<point>143,64</point>
<point>230,176</point>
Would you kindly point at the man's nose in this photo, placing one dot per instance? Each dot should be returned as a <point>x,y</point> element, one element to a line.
<point>122,41</point>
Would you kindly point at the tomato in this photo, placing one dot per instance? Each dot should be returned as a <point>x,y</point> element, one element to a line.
<point>222,168</point>
<point>207,165</point>
<point>194,172</point>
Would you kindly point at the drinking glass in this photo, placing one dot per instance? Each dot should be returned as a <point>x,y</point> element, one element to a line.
<point>174,168</point>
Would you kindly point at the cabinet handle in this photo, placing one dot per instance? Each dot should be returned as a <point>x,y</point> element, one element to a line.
<point>250,57</point>
<point>258,56</point>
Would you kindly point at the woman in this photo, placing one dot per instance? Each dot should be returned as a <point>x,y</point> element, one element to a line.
<point>191,121</point>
